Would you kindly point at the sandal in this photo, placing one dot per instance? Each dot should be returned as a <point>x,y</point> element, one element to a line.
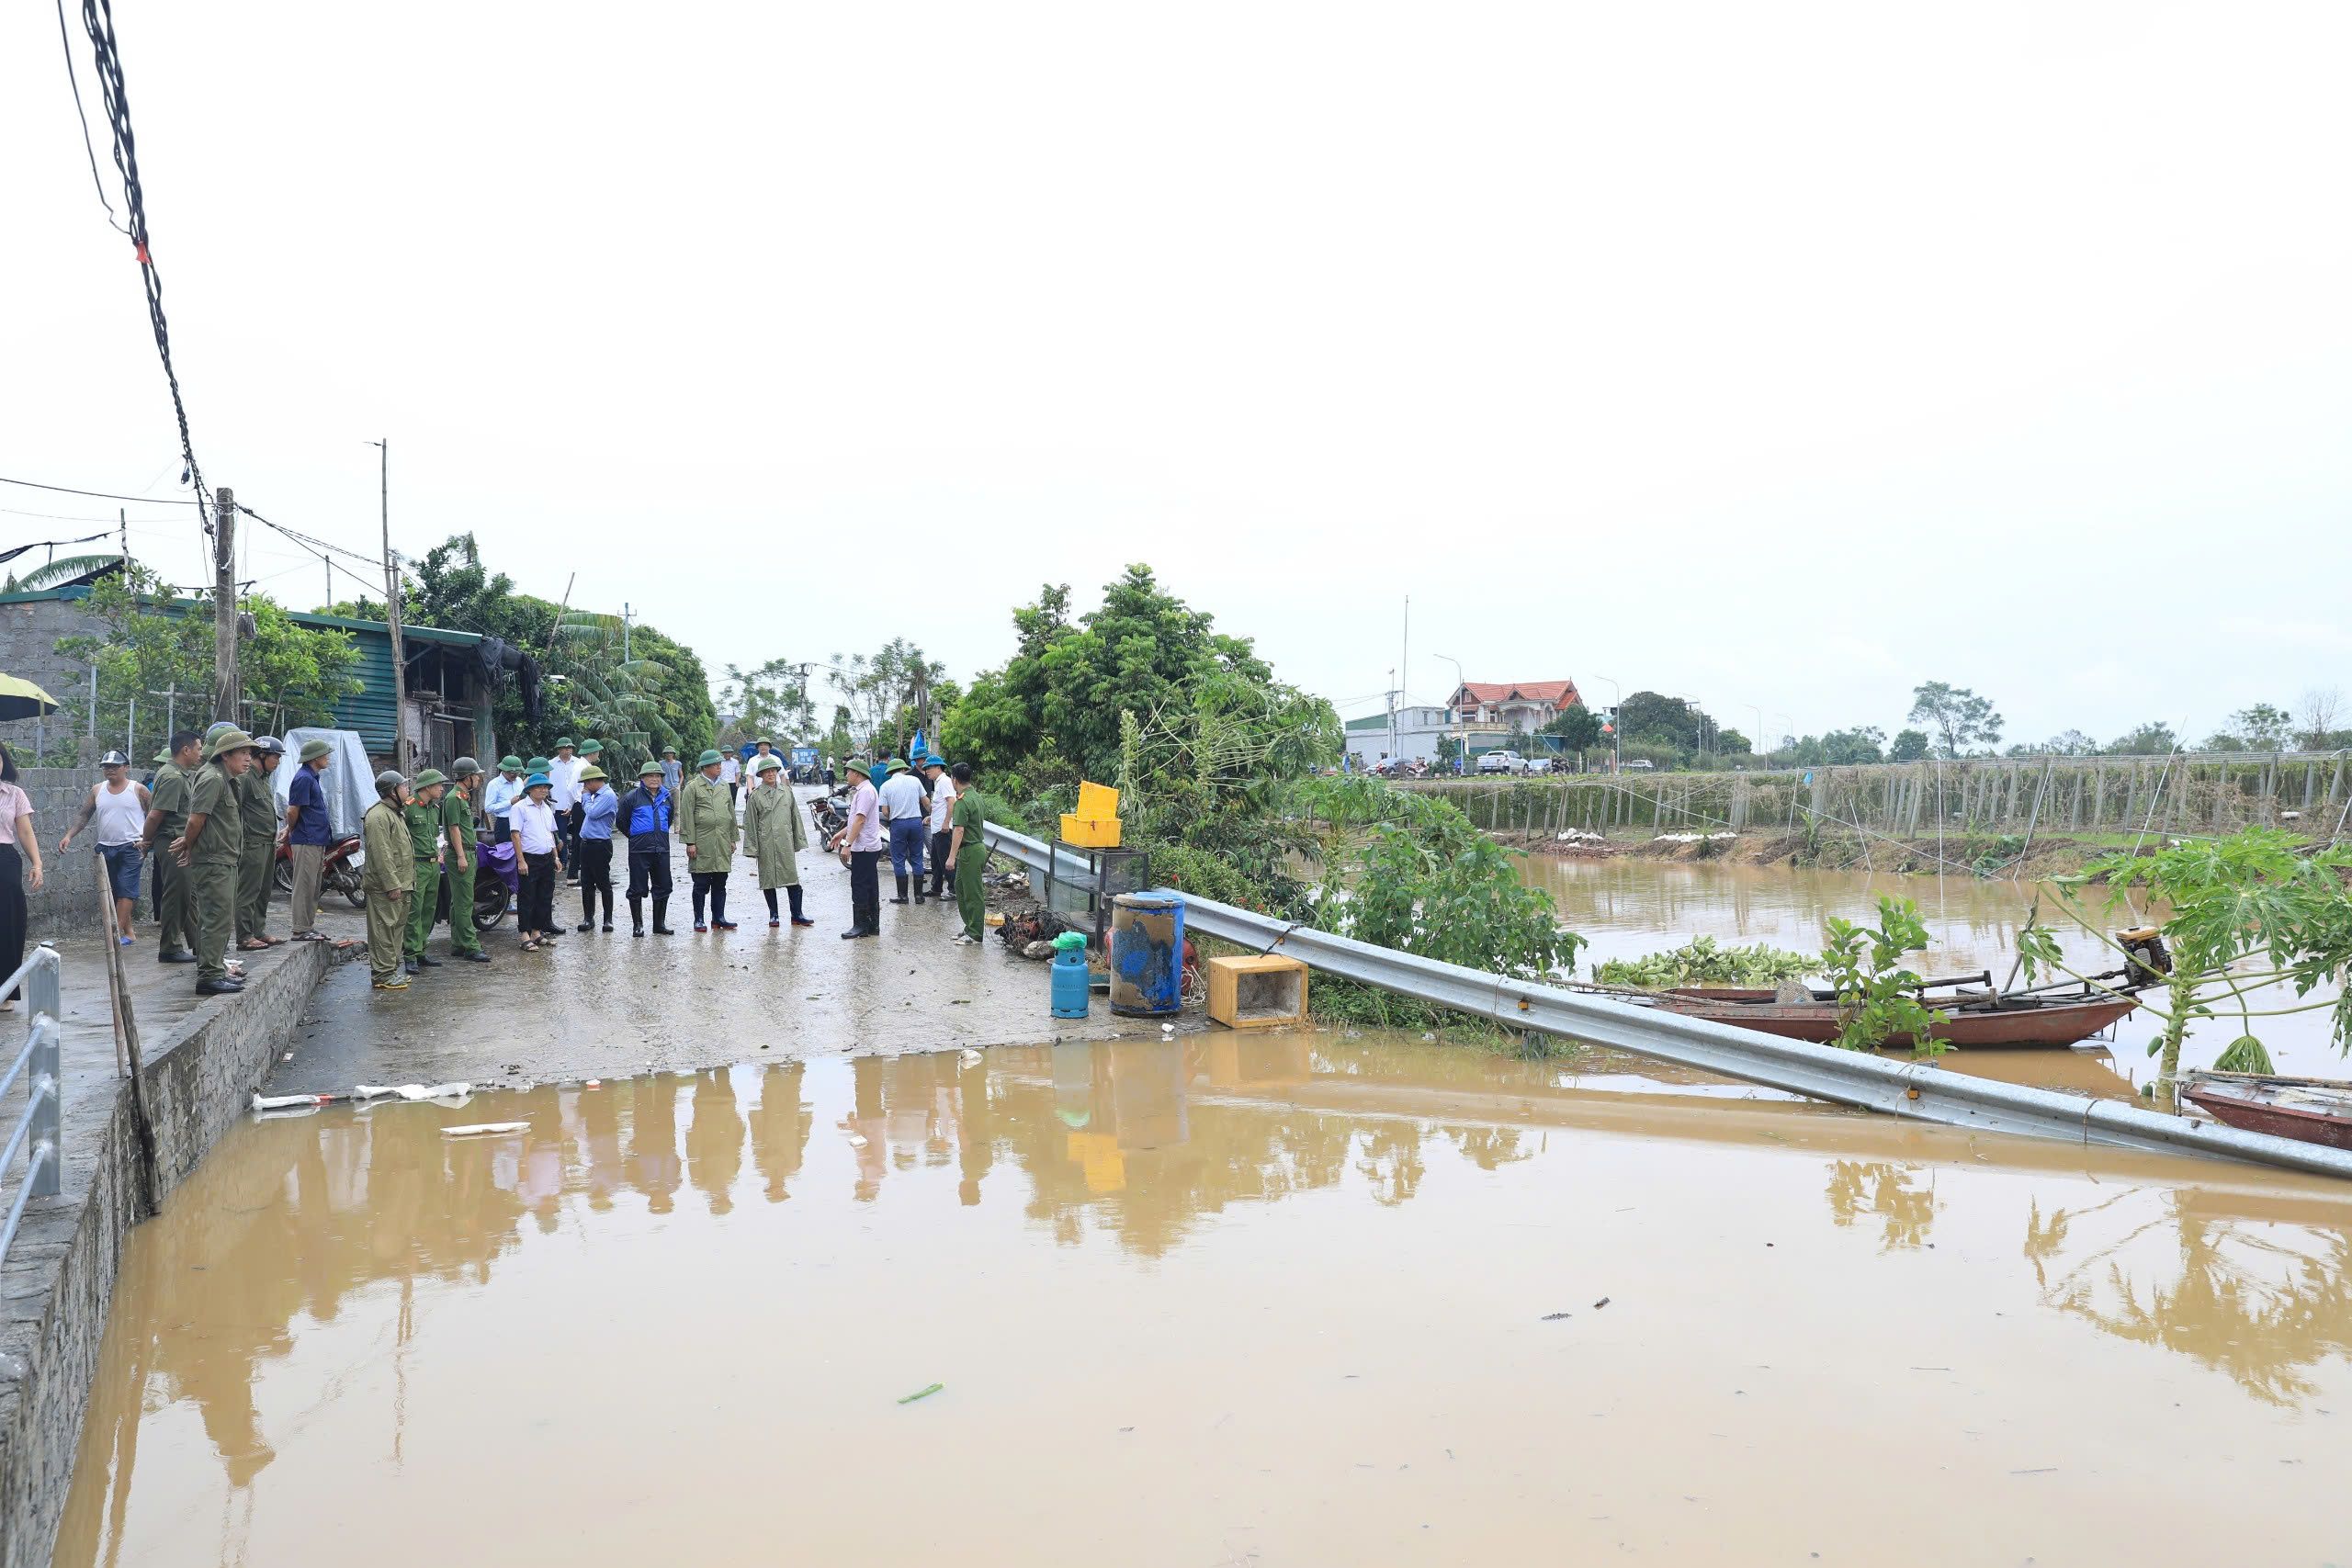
<point>253,944</point>
<point>530,945</point>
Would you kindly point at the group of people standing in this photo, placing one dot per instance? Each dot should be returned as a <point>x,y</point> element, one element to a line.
<point>210,818</point>
<point>924,804</point>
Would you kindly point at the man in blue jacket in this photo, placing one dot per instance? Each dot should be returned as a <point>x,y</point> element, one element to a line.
<point>644,816</point>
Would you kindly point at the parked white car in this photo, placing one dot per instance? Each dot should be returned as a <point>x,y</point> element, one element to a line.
<point>1501,763</point>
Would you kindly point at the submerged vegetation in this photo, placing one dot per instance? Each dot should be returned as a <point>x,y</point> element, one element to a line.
<point>1701,961</point>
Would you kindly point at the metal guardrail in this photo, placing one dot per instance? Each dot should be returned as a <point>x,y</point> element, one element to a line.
<point>1915,1089</point>
<point>39,1125</point>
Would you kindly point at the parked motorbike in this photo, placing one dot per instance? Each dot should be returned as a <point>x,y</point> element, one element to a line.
<point>496,880</point>
<point>339,873</point>
<point>830,813</point>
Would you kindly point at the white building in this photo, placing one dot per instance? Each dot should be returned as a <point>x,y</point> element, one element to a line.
<point>1410,733</point>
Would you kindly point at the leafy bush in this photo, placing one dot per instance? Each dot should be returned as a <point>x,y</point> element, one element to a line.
<point>1877,997</point>
<point>1702,963</point>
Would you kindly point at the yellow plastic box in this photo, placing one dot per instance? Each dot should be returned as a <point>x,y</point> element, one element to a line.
<point>1091,833</point>
<point>1097,800</point>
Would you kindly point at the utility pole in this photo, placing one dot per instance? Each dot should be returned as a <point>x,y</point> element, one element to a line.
<point>1391,715</point>
<point>224,605</point>
<point>392,610</point>
<point>625,659</point>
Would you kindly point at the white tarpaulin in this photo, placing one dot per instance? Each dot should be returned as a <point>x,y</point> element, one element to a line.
<point>349,780</point>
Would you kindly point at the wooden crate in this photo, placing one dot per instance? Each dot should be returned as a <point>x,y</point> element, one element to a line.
<point>1257,991</point>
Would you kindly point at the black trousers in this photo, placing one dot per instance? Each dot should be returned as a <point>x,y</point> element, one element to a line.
<point>13,914</point>
<point>537,911</point>
<point>710,884</point>
<point>941,873</point>
<point>866,889</point>
<point>596,867</point>
<point>649,871</point>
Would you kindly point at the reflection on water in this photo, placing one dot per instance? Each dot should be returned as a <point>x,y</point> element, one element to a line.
<point>1627,906</point>
<point>1277,1254</point>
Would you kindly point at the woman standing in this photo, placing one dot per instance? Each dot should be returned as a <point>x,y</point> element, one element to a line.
<point>773,831</point>
<point>17,844</point>
<point>534,823</point>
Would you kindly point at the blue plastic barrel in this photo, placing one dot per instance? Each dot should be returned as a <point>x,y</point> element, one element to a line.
<point>1146,954</point>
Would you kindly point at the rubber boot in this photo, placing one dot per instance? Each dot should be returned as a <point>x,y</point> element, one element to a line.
<point>660,912</point>
<point>637,917</point>
<point>902,889</point>
<point>799,917</point>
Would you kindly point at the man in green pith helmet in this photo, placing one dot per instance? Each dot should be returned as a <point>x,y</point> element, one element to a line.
<point>422,818</point>
<point>457,834</point>
<point>166,820</point>
<point>258,864</point>
<point>707,822</point>
<point>208,848</point>
<point>500,797</point>
<point>387,877</point>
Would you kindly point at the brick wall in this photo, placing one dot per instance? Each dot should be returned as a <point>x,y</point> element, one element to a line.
<point>68,901</point>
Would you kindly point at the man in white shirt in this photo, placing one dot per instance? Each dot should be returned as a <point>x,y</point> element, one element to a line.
<point>942,813</point>
<point>731,774</point>
<point>564,794</point>
<point>504,790</point>
<point>902,819</point>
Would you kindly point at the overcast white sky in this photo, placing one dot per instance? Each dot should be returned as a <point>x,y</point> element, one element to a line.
<point>1785,355</point>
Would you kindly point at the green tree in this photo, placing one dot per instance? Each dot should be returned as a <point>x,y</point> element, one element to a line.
<point>1878,996</point>
<point>1909,746</point>
<point>770,702</point>
<point>1958,715</point>
<point>2252,896</point>
<point>2153,739</point>
<point>2259,728</point>
<point>1577,726</point>
<point>292,675</point>
<point>1648,718</point>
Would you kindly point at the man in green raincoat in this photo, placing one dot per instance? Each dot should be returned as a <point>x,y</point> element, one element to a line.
<point>208,850</point>
<point>387,877</point>
<point>707,822</point>
<point>166,820</point>
<point>257,866</point>
<point>423,819</point>
<point>458,831</point>
<point>773,831</point>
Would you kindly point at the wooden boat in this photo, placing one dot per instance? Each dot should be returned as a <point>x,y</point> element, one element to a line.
<point>2309,1111</point>
<point>1978,1018</point>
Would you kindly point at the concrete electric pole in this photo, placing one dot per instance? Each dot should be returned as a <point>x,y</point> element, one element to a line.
<point>225,691</point>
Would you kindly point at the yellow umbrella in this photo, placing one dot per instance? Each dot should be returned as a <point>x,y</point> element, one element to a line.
<point>19,698</point>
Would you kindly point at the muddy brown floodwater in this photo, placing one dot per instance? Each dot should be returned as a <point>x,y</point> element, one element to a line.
<point>1627,906</point>
<point>1306,1299</point>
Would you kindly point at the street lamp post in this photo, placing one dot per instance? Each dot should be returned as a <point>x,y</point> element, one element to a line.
<point>1616,726</point>
<point>1460,681</point>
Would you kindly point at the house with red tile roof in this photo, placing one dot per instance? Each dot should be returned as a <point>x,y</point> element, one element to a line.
<point>1526,706</point>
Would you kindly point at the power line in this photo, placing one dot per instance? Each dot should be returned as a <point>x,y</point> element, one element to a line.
<point>65,41</point>
<point>97,16</point>
<point>103,494</point>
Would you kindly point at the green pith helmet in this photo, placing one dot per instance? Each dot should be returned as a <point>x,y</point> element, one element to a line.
<point>224,740</point>
<point>561,741</point>
<point>708,758</point>
<point>592,747</point>
<point>652,770</point>
<point>510,763</point>
<point>315,749</point>
<point>428,778</point>
<point>898,765</point>
<point>163,756</point>
<point>859,766</point>
<point>590,771</point>
<point>464,768</point>
<point>537,765</point>
<point>768,763</point>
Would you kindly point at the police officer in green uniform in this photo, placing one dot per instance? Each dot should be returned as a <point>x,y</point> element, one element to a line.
<point>166,820</point>
<point>258,864</point>
<point>457,832</point>
<point>209,849</point>
<point>386,876</point>
<point>423,822</point>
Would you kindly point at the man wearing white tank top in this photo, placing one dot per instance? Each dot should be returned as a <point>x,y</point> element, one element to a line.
<point>119,808</point>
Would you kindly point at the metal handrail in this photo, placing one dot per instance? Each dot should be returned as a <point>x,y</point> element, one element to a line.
<point>38,1130</point>
<point>1915,1089</point>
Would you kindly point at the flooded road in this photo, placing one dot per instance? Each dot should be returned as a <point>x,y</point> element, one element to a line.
<point>1627,906</point>
<point>1222,1300</point>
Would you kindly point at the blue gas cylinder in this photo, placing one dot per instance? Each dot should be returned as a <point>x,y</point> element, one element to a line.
<point>1071,992</point>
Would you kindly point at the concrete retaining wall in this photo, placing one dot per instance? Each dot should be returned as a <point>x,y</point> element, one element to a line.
<point>59,1279</point>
